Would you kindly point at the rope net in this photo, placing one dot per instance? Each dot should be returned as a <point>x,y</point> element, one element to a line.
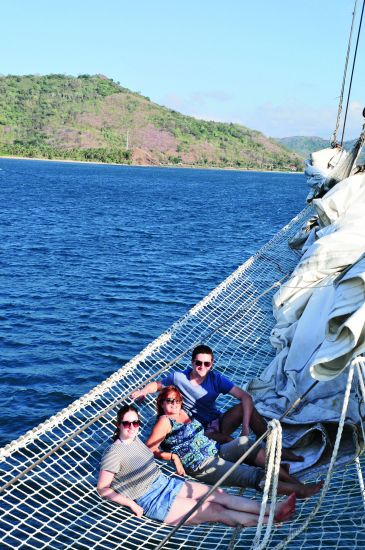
<point>48,476</point>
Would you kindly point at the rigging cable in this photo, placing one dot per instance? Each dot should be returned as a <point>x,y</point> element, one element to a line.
<point>334,136</point>
<point>352,72</point>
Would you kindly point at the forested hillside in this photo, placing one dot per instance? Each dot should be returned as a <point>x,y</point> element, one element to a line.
<point>304,145</point>
<point>93,118</point>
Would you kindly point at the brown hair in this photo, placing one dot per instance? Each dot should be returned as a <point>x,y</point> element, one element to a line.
<point>202,348</point>
<point>120,415</point>
<point>162,396</point>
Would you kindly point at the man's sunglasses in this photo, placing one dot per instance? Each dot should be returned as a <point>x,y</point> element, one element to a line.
<point>127,424</point>
<point>172,400</point>
<point>199,363</point>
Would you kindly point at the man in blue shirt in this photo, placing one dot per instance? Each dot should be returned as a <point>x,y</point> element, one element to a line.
<point>200,386</point>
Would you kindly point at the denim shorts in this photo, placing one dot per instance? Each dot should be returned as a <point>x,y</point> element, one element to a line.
<point>156,503</point>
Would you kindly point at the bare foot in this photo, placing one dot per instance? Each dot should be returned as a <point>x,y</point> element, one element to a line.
<point>308,490</point>
<point>285,510</point>
<point>289,455</point>
<point>285,476</point>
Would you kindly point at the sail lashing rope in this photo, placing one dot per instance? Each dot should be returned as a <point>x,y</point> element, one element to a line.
<point>272,467</point>
<point>327,482</point>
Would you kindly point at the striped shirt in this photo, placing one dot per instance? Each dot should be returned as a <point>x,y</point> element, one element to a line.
<point>133,465</point>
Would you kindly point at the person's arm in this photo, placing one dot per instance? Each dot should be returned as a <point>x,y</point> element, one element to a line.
<point>105,491</point>
<point>152,387</point>
<point>159,432</point>
<point>247,407</point>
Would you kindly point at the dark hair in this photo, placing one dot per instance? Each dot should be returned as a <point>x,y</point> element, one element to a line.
<point>120,415</point>
<point>162,396</point>
<point>202,348</point>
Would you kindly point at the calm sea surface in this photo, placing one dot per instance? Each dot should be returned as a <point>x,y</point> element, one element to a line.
<point>96,261</point>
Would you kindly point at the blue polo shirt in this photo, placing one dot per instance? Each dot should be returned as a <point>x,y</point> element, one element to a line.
<point>199,400</point>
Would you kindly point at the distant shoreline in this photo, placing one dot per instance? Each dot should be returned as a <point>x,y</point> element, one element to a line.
<point>12,157</point>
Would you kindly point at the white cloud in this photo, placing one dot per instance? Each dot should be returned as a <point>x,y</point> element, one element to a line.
<point>292,118</point>
<point>295,119</point>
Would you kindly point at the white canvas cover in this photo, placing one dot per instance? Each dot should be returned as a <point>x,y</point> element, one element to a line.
<point>320,314</point>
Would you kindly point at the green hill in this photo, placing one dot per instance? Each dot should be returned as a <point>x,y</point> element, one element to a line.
<point>93,118</point>
<point>303,145</point>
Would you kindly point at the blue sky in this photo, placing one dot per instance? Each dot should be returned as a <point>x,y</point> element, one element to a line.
<point>273,65</point>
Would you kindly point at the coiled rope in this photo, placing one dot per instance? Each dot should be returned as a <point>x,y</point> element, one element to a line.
<point>233,467</point>
<point>331,465</point>
<point>273,459</point>
<point>274,456</point>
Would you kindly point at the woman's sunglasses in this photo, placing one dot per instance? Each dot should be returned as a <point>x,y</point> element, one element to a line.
<point>172,400</point>
<point>127,424</point>
<point>199,363</point>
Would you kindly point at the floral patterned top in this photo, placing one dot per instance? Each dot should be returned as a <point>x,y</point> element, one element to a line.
<point>189,443</point>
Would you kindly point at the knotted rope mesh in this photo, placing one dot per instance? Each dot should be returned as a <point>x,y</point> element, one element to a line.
<point>48,498</point>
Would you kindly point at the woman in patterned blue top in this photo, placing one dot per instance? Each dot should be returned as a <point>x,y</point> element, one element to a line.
<point>182,440</point>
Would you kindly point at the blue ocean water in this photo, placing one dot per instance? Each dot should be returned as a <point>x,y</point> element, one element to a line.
<point>96,261</point>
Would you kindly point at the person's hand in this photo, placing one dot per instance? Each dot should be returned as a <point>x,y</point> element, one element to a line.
<point>136,509</point>
<point>178,465</point>
<point>138,394</point>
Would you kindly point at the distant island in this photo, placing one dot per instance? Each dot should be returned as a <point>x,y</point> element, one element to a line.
<point>93,118</point>
<point>305,145</point>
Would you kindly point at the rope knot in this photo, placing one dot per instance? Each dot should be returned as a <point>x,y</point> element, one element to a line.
<point>274,424</point>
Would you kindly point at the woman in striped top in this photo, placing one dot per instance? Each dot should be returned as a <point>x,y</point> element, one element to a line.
<point>130,476</point>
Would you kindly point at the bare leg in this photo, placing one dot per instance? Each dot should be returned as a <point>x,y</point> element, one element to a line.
<point>283,511</point>
<point>232,419</point>
<point>195,491</point>
<point>191,490</point>
<point>211,512</point>
<point>287,454</point>
<point>258,423</point>
<point>300,489</point>
<point>283,472</point>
